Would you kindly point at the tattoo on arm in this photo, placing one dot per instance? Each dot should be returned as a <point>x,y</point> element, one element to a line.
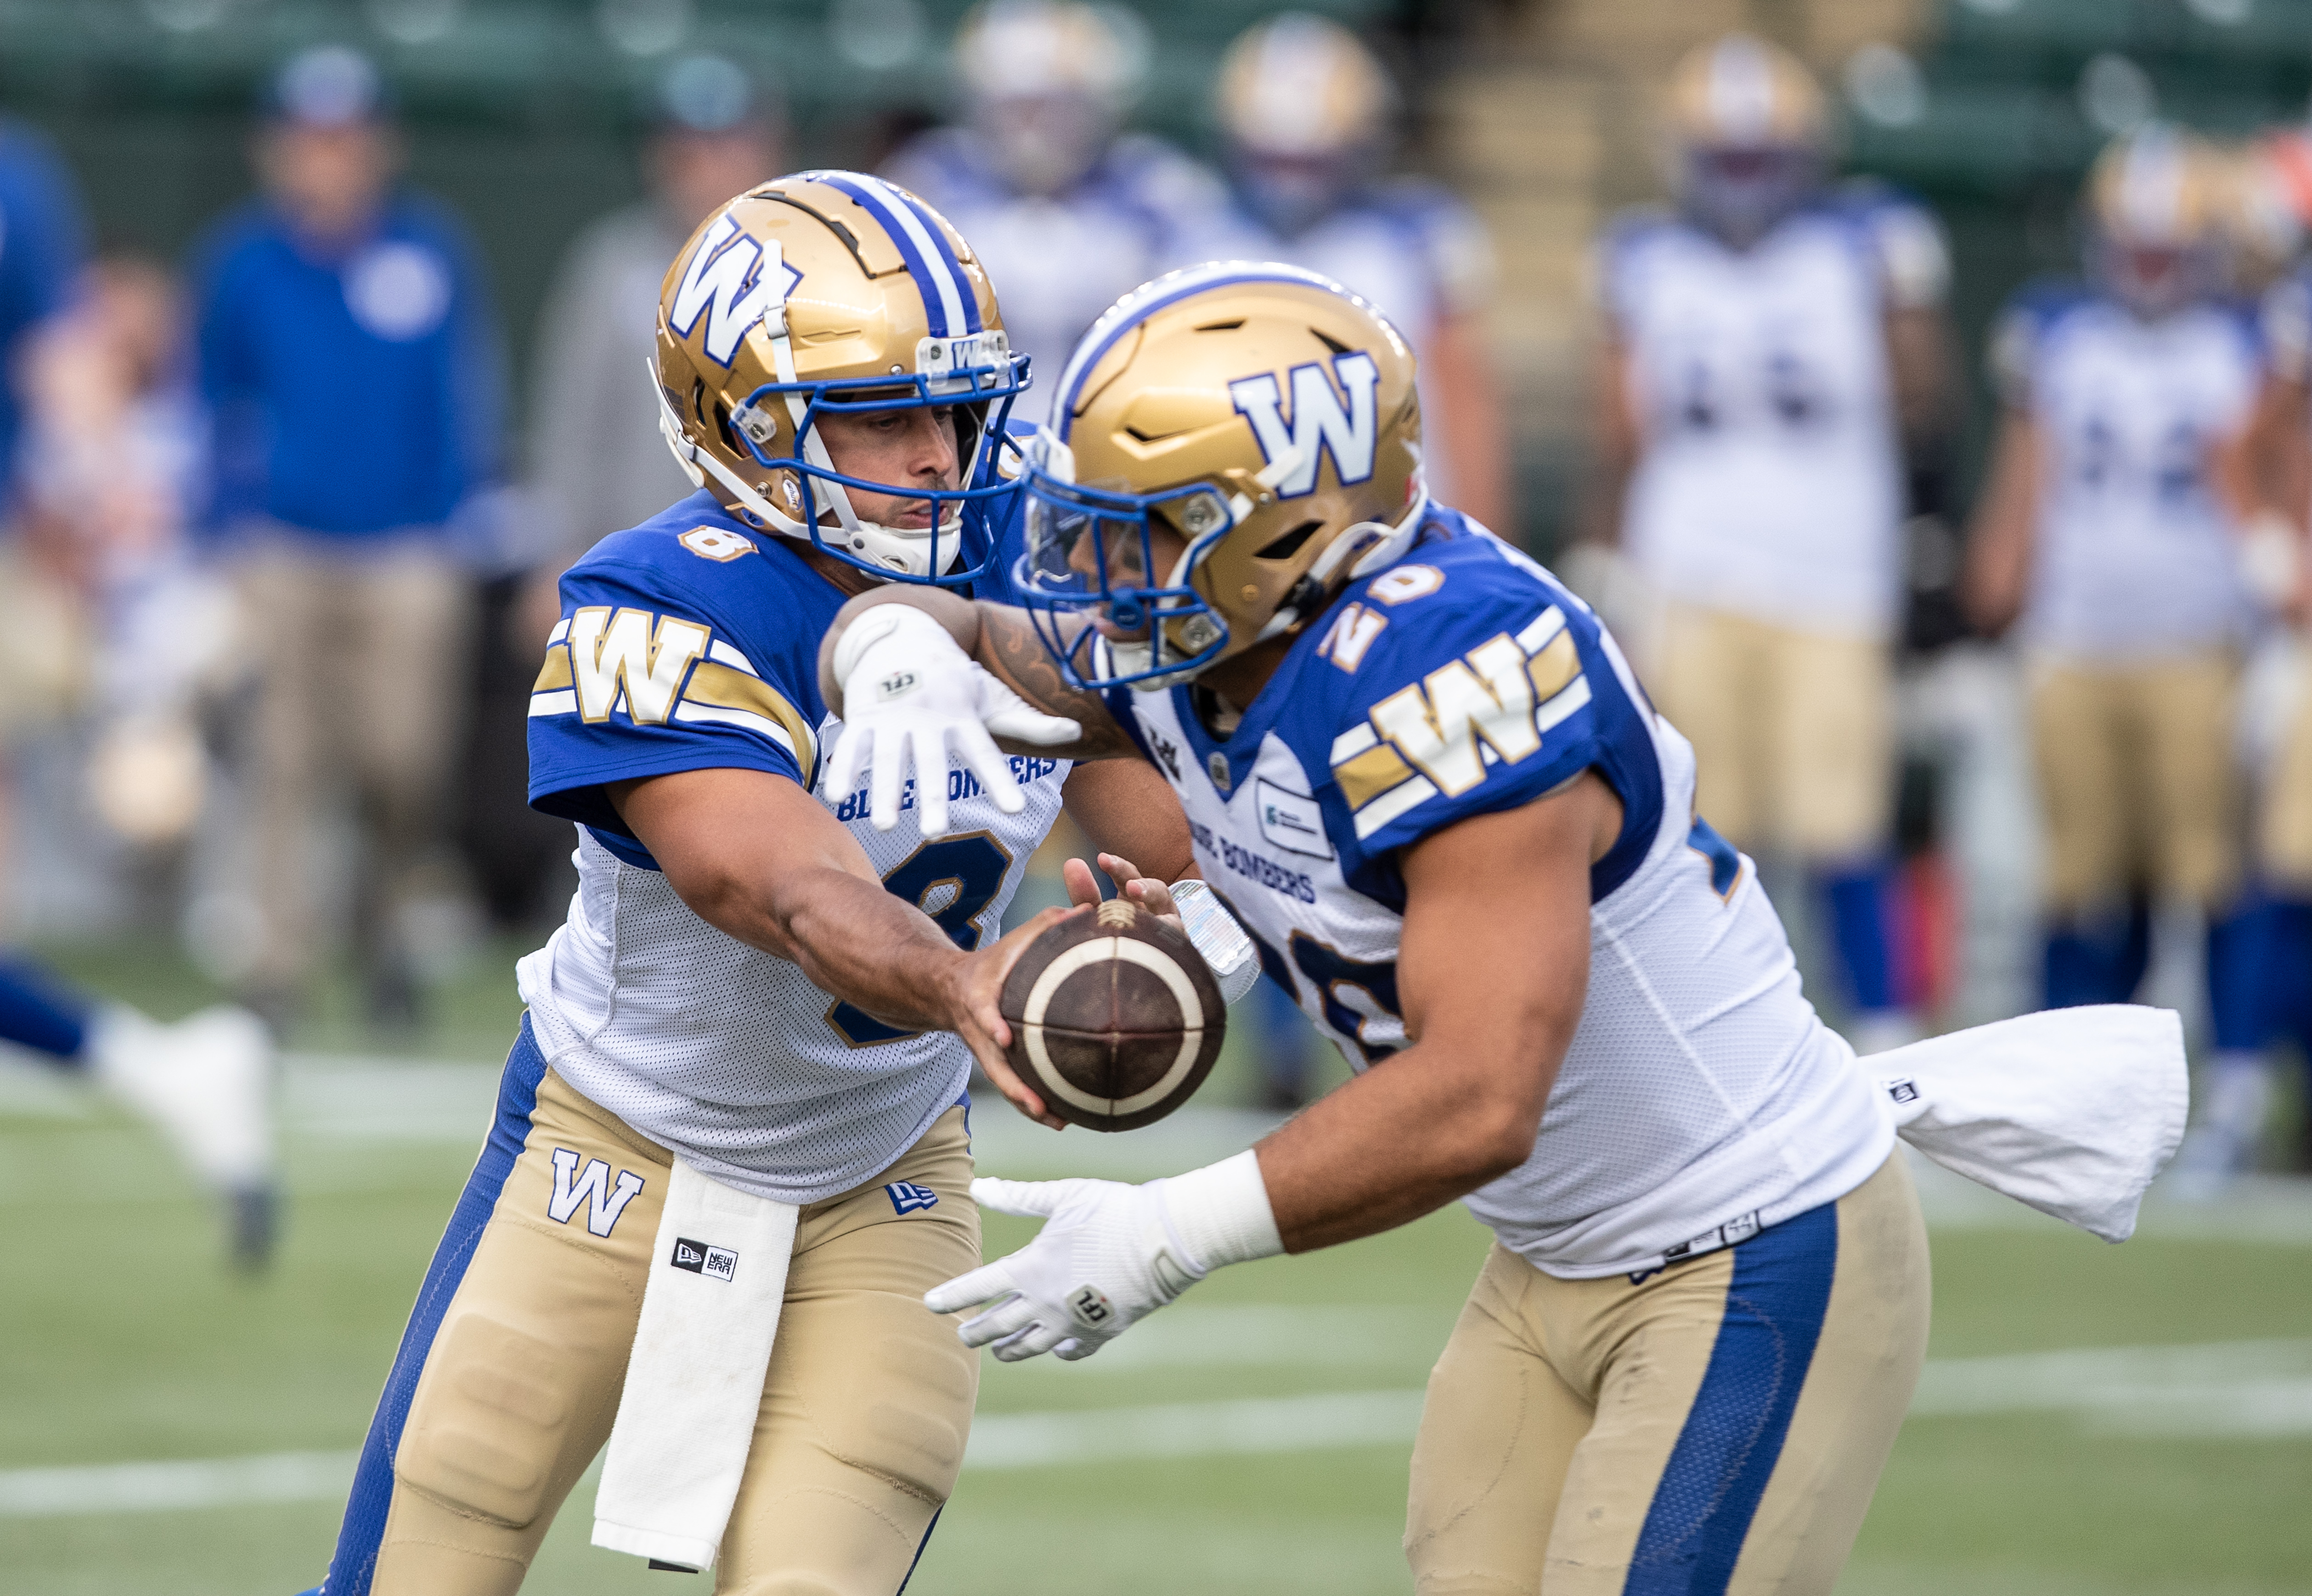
<point>1010,648</point>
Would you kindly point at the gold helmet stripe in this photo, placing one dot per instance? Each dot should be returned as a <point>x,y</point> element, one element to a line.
<point>948,299</point>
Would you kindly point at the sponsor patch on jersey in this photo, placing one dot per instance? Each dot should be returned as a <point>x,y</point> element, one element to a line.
<point>1736,1230</point>
<point>908,1198</point>
<point>700,1258</point>
<point>1291,821</point>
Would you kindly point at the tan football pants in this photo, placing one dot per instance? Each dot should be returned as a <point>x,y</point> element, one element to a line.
<point>864,1411</point>
<point>1718,1426</point>
<point>1793,732</point>
<point>2138,780</point>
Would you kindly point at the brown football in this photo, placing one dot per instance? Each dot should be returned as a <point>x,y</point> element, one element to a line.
<point>1116,1019</point>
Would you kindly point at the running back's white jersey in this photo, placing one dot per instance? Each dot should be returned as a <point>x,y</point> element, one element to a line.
<point>2135,557</point>
<point>1701,1097</point>
<point>1769,482</point>
<point>691,643</point>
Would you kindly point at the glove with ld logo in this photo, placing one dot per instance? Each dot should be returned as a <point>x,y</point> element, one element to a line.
<point>1109,1255</point>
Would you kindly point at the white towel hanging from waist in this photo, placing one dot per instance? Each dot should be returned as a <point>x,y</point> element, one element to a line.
<point>2072,1110</point>
<point>694,1379</point>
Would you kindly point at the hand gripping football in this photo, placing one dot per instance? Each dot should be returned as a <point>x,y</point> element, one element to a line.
<point>1116,1019</point>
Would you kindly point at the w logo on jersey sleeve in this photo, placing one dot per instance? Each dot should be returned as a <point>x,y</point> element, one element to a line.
<point>1442,734</point>
<point>1320,421</point>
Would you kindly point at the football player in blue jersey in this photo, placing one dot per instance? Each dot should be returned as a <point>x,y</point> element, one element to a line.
<point>758,995</point>
<point>1426,782</point>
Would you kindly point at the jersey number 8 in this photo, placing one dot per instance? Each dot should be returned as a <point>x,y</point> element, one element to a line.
<point>965,872</point>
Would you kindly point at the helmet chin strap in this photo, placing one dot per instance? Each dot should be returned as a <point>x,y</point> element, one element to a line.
<point>698,465</point>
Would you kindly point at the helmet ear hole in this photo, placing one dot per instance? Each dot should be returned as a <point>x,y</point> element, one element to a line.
<point>723,429</point>
<point>1289,545</point>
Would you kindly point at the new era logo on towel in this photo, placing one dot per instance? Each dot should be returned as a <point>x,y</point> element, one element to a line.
<point>700,1258</point>
<point>908,1198</point>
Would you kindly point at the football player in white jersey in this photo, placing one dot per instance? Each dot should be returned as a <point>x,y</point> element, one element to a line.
<point>1309,119</point>
<point>1768,348</point>
<point>1427,782</point>
<point>1068,210</point>
<point>2112,542</point>
<point>752,980</point>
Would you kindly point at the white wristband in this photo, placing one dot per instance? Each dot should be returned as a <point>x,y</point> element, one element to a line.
<point>1221,1213</point>
<point>1235,962</point>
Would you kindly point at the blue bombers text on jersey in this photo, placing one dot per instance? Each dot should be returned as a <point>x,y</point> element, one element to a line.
<point>1771,484</point>
<point>691,643</point>
<point>1701,1098</point>
<point>2134,554</point>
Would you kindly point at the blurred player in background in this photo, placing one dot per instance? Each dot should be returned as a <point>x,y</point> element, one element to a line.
<point>754,979</point>
<point>1311,121</point>
<point>2271,470</point>
<point>1769,350</point>
<point>102,460</point>
<point>1068,210</point>
<point>349,357</point>
<point>2104,537</point>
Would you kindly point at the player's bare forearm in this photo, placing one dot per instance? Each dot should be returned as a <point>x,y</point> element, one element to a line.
<point>1129,812</point>
<point>1998,544</point>
<point>760,861</point>
<point>1919,367</point>
<point>1614,456</point>
<point>1002,639</point>
<point>1492,970</point>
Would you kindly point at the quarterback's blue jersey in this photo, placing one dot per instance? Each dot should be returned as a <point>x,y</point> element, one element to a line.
<point>1701,1096</point>
<point>354,395</point>
<point>691,643</point>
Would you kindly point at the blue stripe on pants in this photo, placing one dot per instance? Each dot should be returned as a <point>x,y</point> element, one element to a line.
<point>1733,1434</point>
<point>355,1562</point>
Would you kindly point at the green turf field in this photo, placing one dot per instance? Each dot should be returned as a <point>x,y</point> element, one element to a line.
<point>2094,1419</point>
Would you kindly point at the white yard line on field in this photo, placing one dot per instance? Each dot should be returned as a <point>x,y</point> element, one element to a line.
<point>2246,1390</point>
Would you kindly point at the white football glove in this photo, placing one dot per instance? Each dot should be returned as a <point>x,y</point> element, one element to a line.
<point>1109,1255</point>
<point>907,688</point>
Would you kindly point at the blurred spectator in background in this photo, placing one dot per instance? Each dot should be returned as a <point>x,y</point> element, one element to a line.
<point>102,455</point>
<point>347,354</point>
<point>1066,212</point>
<point>113,471</point>
<point>44,630</point>
<point>1769,350</point>
<point>1311,123</point>
<point>595,454</point>
<point>2104,537</point>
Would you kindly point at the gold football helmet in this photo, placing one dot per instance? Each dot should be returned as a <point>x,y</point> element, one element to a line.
<point>1308,113</point>
<point>1748,132</point>
<point>2159,202</point>
<point>1263,414</point>
<point>833,292</point>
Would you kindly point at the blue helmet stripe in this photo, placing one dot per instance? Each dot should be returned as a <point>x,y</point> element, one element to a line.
<point>1132,309</point>
<point>953,267</point>
<point>941,287</point>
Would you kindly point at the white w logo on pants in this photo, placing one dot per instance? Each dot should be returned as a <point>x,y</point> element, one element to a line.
<point>1319,420</point>
<point>592,1187</point>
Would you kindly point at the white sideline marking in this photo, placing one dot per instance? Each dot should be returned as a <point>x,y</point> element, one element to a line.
<point>2239,1388</point>
<point>170,1487</point>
